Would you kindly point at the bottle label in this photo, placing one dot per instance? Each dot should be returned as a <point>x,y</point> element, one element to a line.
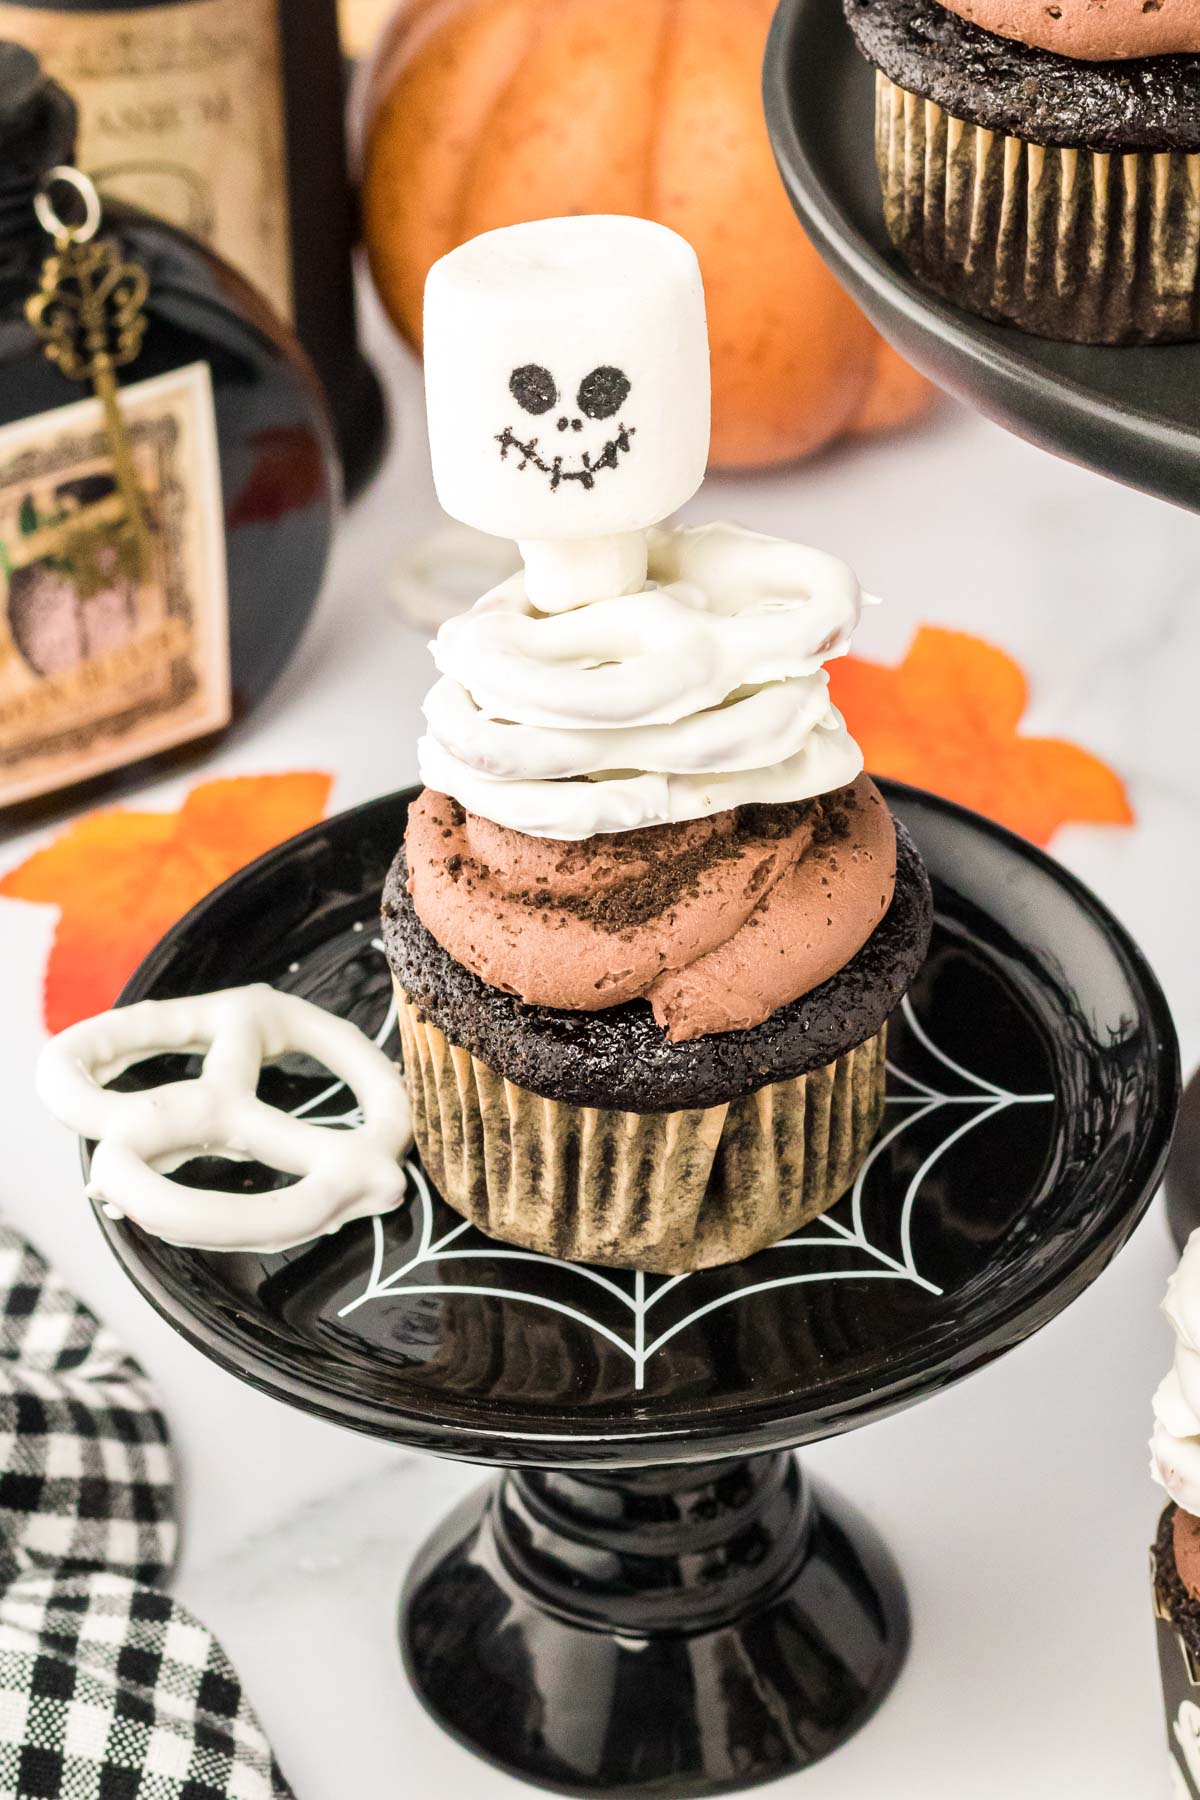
<point>181,112</point>
<point>104,661</point>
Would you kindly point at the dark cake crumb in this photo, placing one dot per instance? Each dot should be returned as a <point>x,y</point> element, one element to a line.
<point>629,904</point>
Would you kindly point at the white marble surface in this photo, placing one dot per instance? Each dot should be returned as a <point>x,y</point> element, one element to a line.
<point>1018,1504</point>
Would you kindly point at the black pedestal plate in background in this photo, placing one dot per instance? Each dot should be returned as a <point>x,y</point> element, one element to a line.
<point>652,1600</point>
<point>1131,413</point>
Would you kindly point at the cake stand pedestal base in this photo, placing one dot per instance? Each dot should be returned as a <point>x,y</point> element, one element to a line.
<point>665,1631</point>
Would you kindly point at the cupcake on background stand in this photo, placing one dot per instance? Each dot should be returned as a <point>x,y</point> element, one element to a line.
<point>1040,164</point>
<point>650,917</point>
<point>1175,1558</point>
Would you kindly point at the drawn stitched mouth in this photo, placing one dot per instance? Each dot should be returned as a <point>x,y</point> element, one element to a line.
<point>588,468</point>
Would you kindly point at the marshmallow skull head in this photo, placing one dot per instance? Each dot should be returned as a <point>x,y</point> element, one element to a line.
<point>566,372</point>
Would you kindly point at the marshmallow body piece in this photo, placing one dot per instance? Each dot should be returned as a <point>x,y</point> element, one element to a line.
<point>567,379</point>
<point>564,573</point>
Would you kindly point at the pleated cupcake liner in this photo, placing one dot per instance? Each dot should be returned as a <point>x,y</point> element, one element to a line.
<point>662,1192</point>
<point>1086,246</point>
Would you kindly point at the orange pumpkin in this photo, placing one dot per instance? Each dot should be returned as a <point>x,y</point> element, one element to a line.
<point>485,112</point>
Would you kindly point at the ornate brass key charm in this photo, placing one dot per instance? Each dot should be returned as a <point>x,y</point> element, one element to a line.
<point>88,313</point>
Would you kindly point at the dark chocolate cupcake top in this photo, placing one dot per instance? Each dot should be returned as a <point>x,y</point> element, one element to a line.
<point>620,1058</point>
<point>1149,103</point>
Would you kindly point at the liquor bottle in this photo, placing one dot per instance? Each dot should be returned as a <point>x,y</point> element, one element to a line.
<point>155,574</point>
<point>226,117</point>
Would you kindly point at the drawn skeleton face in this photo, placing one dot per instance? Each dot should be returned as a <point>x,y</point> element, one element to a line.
<point>566,371</point>
<point>600,397</point>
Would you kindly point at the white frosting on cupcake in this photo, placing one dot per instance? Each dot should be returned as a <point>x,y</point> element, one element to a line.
<point>1175,1445</point>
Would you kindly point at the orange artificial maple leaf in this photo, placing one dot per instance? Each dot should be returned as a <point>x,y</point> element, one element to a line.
<point>121,878</point>
<point>948,718</point>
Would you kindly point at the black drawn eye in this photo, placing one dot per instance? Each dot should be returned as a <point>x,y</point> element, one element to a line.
<point>532,387</point>
<point>603,392</point>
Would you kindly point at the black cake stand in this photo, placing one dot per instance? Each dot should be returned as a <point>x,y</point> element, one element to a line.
<point>653,1599</point>
<point>1132,413</point>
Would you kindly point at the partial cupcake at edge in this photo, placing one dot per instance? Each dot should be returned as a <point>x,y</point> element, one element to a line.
<point>1040,163</point>
<point>1175,1558</point>
<point>650,916</point>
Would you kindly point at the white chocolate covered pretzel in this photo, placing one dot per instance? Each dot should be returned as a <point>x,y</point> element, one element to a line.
<point>569,810</point>
<point>141,1137</point>
<point>780,716</point>
<point>661,655</point>
<point>705,691</point>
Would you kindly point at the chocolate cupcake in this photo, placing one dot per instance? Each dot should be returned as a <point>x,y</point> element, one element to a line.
<point>1175,1574</point>
<point>1040,164</point>
<point>729,1098</point>
<point>1175,1558</point>
<point>650,917</point>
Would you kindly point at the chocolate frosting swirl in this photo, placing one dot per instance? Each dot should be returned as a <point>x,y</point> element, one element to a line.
<point>716,922</point>
<point>1093,30</point>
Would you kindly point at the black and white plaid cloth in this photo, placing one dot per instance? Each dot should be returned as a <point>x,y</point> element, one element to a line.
<point>109,1690</point>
